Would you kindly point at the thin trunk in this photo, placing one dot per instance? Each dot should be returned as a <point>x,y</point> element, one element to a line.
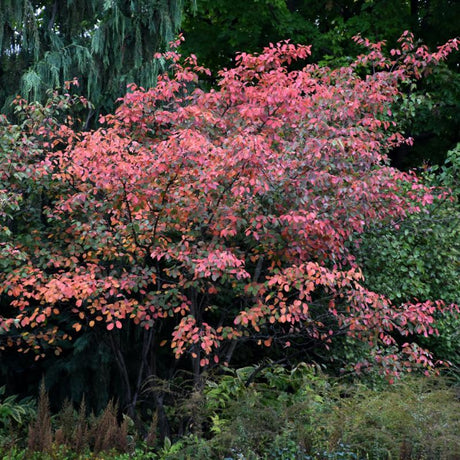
<point>163,423</point>
<point>158,397</point>
<point>195,310</point>
<point>90,115</point>
<point>53,16</point>
<point>229,354</point>
<point>122,368</point>
<point>146,345</point>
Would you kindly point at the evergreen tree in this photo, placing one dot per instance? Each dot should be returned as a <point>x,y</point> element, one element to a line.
<point>104,43</point>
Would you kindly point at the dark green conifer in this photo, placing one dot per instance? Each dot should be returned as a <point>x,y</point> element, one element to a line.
<point>104,43</point>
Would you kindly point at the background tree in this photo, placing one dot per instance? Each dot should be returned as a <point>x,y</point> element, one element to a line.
<point>328,26</point>
<point>106,44</point>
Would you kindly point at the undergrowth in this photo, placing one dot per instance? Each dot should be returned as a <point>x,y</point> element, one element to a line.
<point>269,413</point>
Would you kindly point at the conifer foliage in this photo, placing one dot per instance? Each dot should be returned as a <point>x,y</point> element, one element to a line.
<point>213,217</point>
<point>105,43</point>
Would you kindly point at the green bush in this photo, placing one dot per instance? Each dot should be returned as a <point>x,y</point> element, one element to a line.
<point>413,419</point>
<point>301,414</point>
<point>420,258</point>
<point>266,411</point>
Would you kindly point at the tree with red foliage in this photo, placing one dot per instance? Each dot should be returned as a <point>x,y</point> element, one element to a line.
<point>224,215</point>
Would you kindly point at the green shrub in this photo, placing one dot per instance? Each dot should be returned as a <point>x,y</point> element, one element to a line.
<point>413,419</point>
<point>268,411</point>
<point>302,414</point>
<point>420,258</point>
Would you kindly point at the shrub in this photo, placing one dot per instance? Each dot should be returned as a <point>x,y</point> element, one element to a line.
<point>414,418</point>
<point>302,414</point>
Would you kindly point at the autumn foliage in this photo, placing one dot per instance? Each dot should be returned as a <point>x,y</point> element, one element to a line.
<point>223,215</point>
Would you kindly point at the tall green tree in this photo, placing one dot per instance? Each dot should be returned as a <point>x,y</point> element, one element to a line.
<point>106,44</point>
<point>248,25</point>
